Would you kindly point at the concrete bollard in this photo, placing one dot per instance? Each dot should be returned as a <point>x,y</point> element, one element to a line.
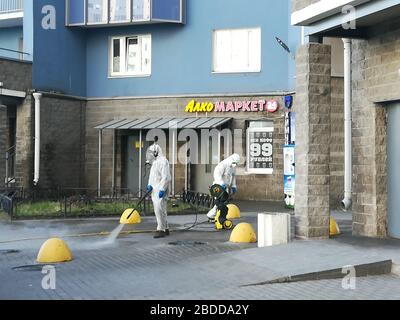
<point>273,229</point>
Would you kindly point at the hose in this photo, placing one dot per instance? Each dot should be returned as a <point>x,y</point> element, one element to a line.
<point>107,233</point>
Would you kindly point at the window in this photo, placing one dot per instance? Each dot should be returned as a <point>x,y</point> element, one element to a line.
<point>130,56</point>
<point>237,50</point>
<point>140,10</point>
<point>76,12</point>
<point>97,11</point>
<point>120,10</point>
<point>105,12</point>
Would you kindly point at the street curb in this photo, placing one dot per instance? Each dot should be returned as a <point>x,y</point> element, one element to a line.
<point>362,270</point>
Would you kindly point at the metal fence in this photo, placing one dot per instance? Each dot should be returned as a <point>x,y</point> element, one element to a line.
<point>83,202</point>
<point>198,199</point>
<point>9,6</point>
<point>68,202</point>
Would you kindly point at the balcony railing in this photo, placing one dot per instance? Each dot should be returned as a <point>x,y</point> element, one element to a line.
<point>10,6</point>
<point>119,12</point>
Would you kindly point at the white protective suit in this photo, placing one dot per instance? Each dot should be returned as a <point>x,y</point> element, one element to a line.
<point>159,179</point>
<point>225,174</point>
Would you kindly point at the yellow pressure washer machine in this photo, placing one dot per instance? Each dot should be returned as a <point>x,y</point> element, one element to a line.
<point>222,198</point>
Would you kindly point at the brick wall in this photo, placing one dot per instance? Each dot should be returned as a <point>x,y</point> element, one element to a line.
<point>24,144</point>
<point>376,80</point>
<point>62,142</point>
<point>381,63</point>
<point>336,187</point>
<point>16,75</point>
<point>369,132</point>
<point>257,187</point>
<point>313,133</point>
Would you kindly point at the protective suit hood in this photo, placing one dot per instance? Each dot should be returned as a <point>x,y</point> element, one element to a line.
<point>224,173</point>
<point>153,153</point>
<point>232,160</point>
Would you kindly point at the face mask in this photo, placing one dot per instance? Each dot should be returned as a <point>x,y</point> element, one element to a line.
<point>234,165</point>
<point>151,156</point>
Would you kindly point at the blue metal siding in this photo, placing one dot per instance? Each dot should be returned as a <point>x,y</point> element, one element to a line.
<point>166,10</point>
<point>76,12</point>
<point>182,55</point>
<point>59,55</point>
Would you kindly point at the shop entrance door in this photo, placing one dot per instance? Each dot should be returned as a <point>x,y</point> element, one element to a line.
<point>132,164</point>
<point>393,165</point>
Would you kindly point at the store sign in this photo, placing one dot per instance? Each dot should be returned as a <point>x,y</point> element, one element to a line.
<point>270,106</point>
<point>260,150</point>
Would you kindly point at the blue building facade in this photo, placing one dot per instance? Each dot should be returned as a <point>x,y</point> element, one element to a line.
<point>137,60</point>
<point>75,59</point>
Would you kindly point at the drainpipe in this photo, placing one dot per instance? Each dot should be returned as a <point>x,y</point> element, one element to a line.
<point>346,202</point>
<point>36,174</point>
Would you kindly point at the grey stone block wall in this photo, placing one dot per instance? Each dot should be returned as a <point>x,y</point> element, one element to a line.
<point>24,144</point>
<point>313,131</point>
<point>62,153</point>
<point>369,134</point>
<point>336,187</point>
<point>16,75</point>
<point>381,64</point>
<point>3,142</point>
<point>62,142</point>
<point>251,187</point>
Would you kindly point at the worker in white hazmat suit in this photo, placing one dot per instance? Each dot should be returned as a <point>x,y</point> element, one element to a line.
<point>225,176</point>
<point>159,180</point>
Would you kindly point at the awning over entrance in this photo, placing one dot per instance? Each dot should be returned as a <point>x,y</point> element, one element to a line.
<point>154,123</point>
<point>164,123</point>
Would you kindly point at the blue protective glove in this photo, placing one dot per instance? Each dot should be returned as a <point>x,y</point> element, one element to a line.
<point>149,188</point>
<point>161,194</point>
<point>234,190</point>
<point>223,186</point>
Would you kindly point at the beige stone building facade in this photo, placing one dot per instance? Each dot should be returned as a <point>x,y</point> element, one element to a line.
<point>374,31</point>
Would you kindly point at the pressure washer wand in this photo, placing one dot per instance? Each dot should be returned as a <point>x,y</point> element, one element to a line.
<point>139,203</point>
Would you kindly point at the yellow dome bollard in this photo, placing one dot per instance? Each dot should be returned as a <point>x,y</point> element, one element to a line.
<point>130,218</point>
<point>334,229</point>
<point>233,212</point>
<point>243,233</point>
<point>54,250</point>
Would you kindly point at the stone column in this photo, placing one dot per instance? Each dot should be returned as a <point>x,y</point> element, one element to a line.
<point>369,136</point>
<point>312,107</point>
<point>24,144</point>
<point>3,144</point>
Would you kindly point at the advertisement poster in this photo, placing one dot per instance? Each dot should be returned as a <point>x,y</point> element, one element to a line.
<point>260,150</point>
<point>289,176</point>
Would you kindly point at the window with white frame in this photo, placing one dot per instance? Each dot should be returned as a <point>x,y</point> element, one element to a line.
<point>130,56</point>
<point>120,10</point>
<point>237,50</point>
<point>97,11</point>
<point>140,10</point>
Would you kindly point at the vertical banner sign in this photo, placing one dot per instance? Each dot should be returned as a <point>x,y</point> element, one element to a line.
<point>260,150</point>
<point>289,176</point>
